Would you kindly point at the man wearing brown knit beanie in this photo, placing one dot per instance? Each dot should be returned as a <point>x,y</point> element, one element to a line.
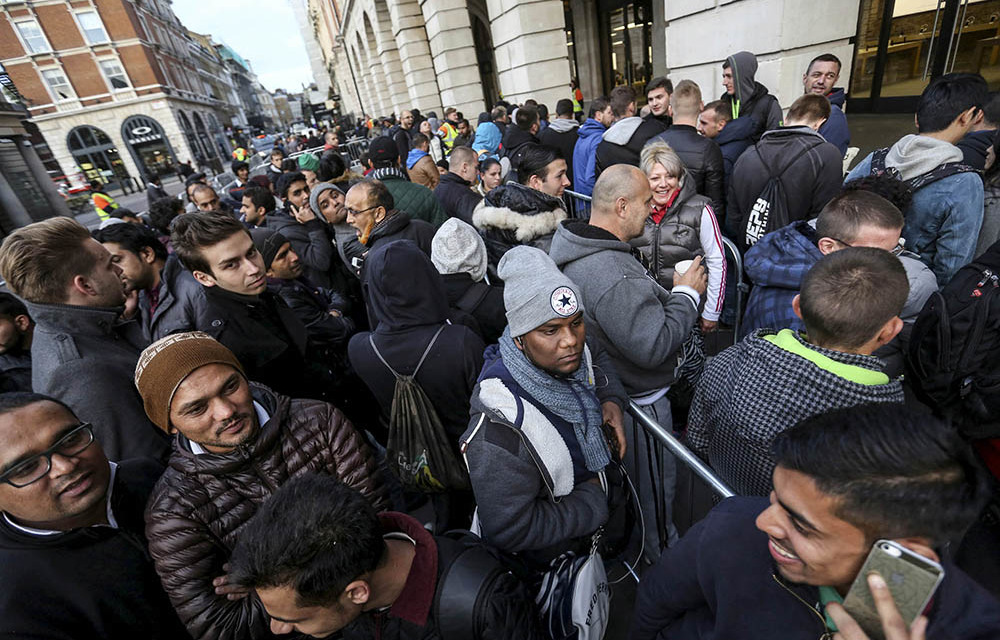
<point>236,443</point>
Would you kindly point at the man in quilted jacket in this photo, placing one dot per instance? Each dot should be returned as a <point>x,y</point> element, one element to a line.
<point>237,443</point>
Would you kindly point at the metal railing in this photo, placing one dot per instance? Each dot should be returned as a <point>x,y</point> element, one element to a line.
<point>577,204</point>
<point>681,452</point>
<point>741,286</point>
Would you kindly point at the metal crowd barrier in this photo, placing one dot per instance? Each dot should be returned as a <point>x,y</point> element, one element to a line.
<point>577,204</point>
<point>682,453</point>
<point>741,286</point>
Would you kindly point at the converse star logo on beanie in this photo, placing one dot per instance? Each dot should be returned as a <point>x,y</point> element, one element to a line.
<point>563,301</point>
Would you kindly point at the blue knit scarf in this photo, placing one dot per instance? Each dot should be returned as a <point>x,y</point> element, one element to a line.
<point>571,398</point>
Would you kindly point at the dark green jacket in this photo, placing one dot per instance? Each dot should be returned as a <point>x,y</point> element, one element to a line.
<point>415,199</point>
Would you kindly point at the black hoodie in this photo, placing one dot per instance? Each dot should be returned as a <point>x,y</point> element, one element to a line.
<point>407,300</point>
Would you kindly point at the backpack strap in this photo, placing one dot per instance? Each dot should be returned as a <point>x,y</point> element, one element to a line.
<point>427,350</point>
<point>371,341</point>
<point>939,173</point>
<point>878,161</point>
<point>771,172</point>
<point>473,297</point>
<point>460,588</point>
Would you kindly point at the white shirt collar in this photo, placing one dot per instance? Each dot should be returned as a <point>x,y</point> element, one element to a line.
<point>262,418</point>
<point>48,532</point>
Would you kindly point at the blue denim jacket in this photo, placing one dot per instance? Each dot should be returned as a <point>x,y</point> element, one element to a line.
<point>943,220</point>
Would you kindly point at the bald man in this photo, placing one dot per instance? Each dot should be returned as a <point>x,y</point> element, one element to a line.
<point>643,326</point>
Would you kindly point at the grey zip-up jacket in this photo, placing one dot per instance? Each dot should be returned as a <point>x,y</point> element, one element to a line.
<point>642,325</point>
<point>85,357</point>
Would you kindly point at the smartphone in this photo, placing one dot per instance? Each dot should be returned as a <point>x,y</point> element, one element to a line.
<point>912,580</point>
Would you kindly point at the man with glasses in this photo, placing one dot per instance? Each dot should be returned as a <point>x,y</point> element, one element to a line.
<point>371,210</point>
<point>73,557</point>
<point>857,218</point>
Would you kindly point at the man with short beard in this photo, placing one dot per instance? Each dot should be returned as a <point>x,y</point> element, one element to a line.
<point>404,134</point>
<point>16,331</point>
<point>169,297</point>
<point>236,443</point>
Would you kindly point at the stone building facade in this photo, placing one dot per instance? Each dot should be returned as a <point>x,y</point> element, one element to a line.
<point>385,55</point>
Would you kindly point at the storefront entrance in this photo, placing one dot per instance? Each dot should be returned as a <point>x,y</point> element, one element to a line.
<point>148,146</point>
<point>626,44</point>
<point>903,44</point>
<point>97,157</point>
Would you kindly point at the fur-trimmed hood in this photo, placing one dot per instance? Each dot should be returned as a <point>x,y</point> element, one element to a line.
<point>527,212</point>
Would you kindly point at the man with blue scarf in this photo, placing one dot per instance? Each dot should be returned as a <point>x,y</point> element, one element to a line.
<point>535,445</point>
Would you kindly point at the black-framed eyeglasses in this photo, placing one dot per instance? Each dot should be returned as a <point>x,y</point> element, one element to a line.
<point>898,249</point>
<point>37,467</point>
<point>354,212</point>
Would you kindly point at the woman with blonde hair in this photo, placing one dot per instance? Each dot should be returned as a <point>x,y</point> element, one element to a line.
<point>680,226</point>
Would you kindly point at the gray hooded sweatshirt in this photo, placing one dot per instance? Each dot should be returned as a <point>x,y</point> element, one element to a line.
<point>751,97</point>
<point>642,324</point>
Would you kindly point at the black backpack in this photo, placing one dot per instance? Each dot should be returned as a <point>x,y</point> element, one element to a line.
<point>770,210</point>
<point>878,168</point>
<point>470,568</point>
<point>418,449</point>
<point>954,351</point>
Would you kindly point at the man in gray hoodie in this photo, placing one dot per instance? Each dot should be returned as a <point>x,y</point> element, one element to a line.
<point>746,97</point>
<point>946,211</point>
<point>643,326</point>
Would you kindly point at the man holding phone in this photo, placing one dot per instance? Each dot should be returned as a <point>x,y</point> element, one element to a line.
<point>844,481</point>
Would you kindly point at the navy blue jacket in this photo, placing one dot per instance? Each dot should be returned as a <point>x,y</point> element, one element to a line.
<point>974,147</point>
<point>835,128</point>
<point>720,582</point>
<point>776,266</point>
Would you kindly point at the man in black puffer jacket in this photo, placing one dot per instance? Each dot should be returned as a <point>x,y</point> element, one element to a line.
<point>746,96</point>
<point>623,141</point>
<point>368,575</point>
<point>236,443</point>
<point>525,213</point>
<point>701,156</point>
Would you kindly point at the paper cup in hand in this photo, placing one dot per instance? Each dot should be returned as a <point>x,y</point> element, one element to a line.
<point>681,267</point>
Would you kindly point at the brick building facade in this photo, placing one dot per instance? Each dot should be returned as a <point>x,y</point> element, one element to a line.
<point>115,86</point>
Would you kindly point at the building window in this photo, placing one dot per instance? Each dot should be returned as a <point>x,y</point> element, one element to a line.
<point>115,74</point>
<point>58,84</point>
<point>34,39</point>
<point>90,24</point>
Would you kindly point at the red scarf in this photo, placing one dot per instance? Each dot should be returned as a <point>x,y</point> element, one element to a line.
<point>657,213</point>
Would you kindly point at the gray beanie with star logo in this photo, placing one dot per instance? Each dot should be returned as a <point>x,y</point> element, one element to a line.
<point>535,290</point>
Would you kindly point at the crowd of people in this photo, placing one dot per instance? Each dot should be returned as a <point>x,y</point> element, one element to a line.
<point>407,399</point>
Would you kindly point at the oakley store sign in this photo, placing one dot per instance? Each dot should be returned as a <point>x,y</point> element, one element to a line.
<point>148,145</point>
